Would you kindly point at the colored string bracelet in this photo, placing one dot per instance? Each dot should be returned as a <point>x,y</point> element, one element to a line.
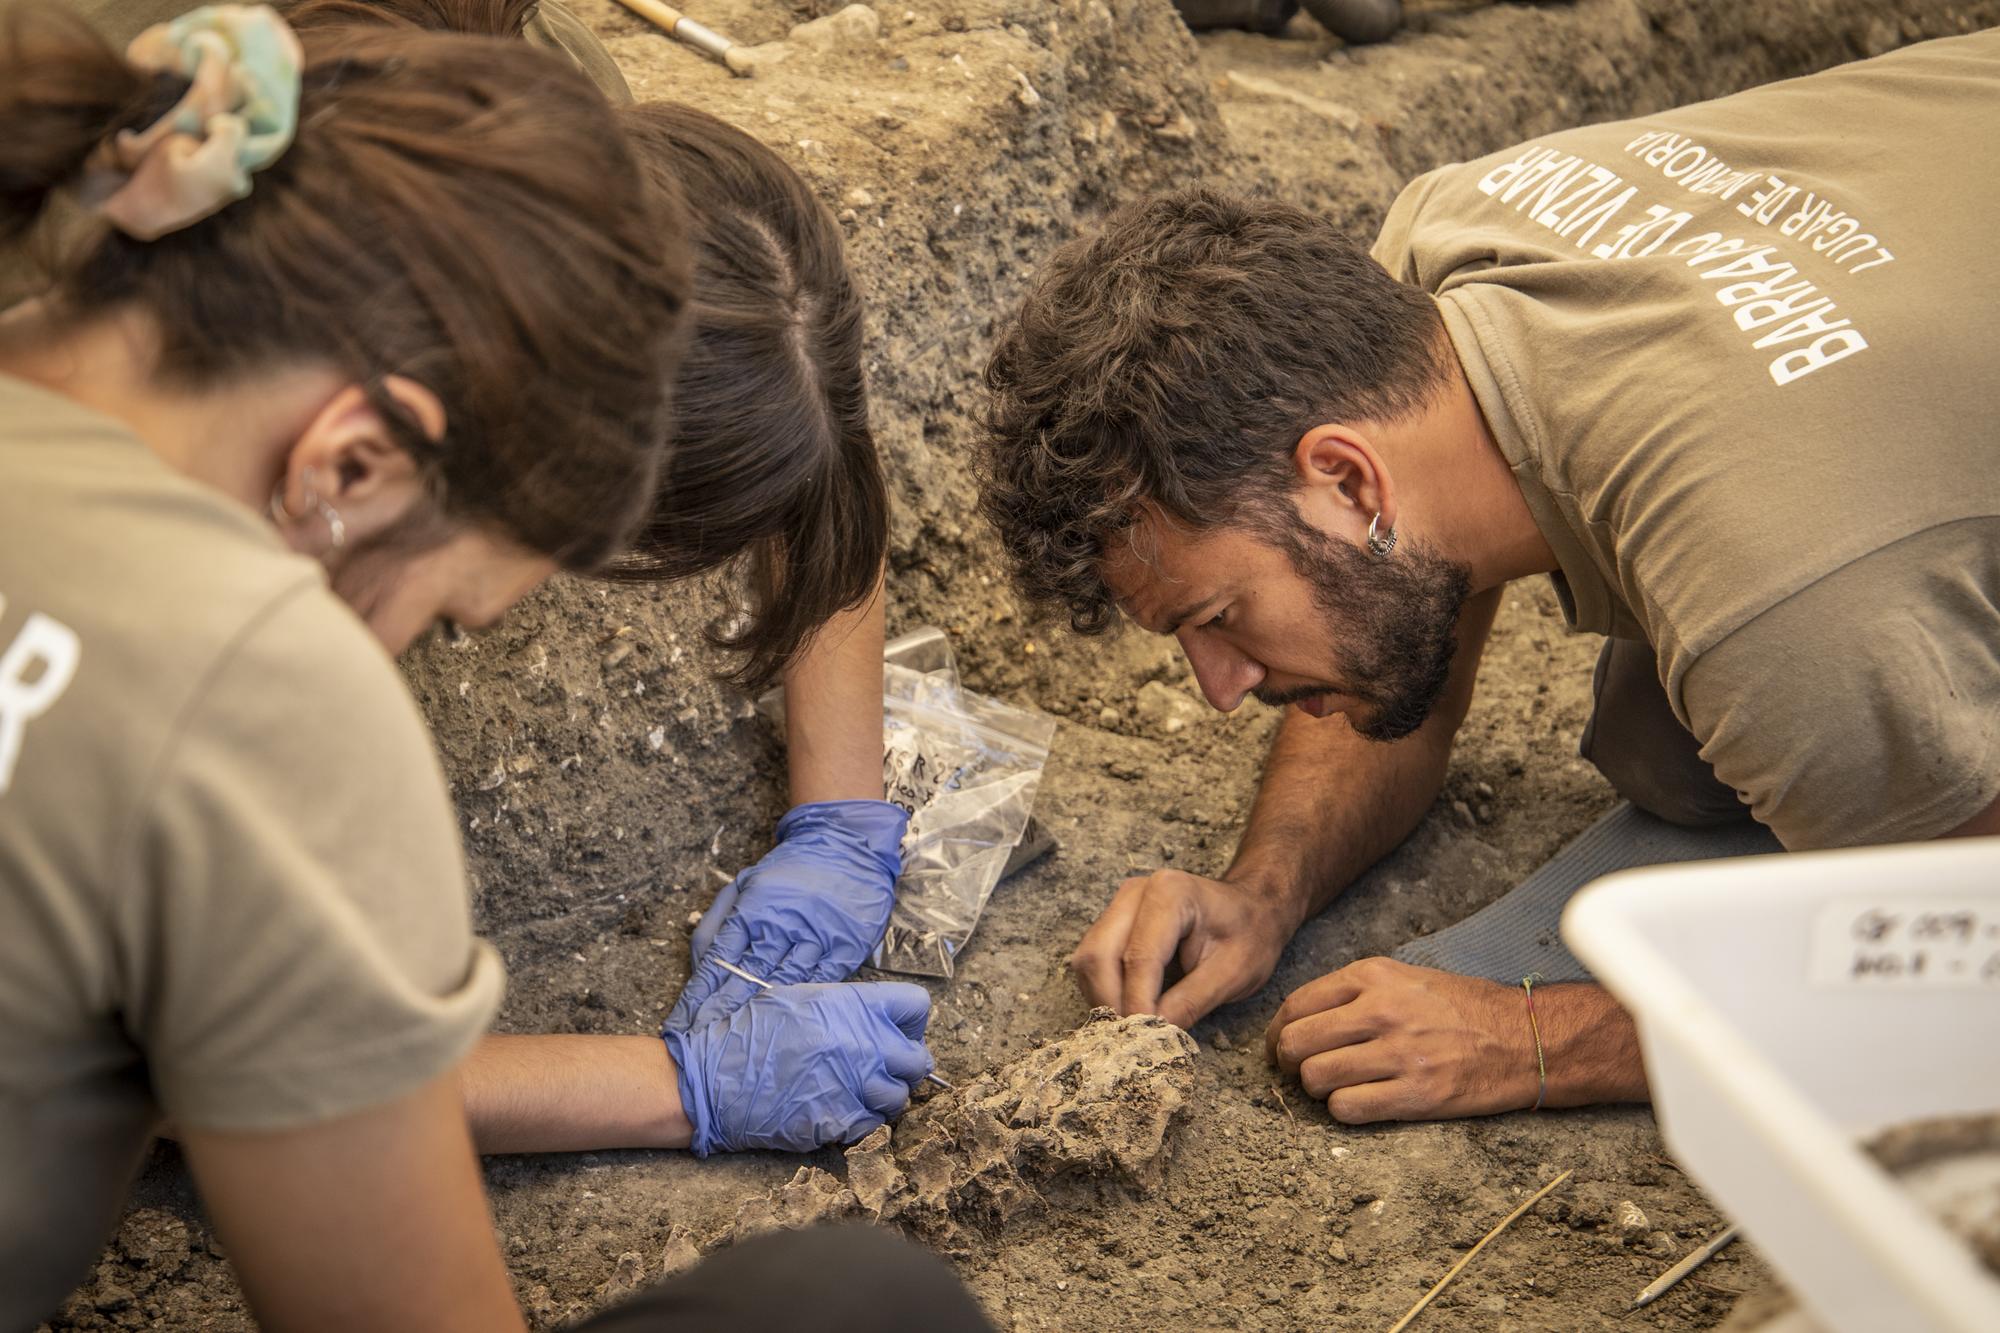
<point>1535,1026</point>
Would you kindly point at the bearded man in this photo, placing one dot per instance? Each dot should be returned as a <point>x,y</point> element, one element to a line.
<point>1724,374</point>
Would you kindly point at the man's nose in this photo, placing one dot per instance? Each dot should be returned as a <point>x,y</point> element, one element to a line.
<point>1224,673</point>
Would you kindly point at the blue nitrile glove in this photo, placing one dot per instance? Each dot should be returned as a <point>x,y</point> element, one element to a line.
<point>799,1067</point>
<point>812,910</point>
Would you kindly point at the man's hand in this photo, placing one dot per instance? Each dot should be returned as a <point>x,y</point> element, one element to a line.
<point>811,911</point>
<point>1382,1040</point>
<point>1227,937</point>
<point>798,1067</point>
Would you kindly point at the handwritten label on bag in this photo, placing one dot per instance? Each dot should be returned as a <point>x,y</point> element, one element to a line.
<point>1951,943</point>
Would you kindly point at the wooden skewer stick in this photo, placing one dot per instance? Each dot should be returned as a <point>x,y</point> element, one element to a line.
<point>686,31</point>
<point>1665,1281</point>
<point>1473,1253</point>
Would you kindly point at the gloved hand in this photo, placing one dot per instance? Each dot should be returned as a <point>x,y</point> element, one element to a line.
<point>812,910</point>
<point>802,1066</point>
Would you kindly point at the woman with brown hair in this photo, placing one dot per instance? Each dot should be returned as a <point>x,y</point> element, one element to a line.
<point>366,332</point>
<point>772,465</point>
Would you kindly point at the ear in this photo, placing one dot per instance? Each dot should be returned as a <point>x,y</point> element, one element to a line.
<point>348,460</point>
<point>1343,481</point>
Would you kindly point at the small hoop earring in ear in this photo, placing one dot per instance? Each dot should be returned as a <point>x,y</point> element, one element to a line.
<point>336,527</point>
<point>1380,546</point>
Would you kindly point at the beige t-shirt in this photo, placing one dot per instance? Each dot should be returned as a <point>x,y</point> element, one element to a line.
<point>1741,357</point>
<point>231,890</point>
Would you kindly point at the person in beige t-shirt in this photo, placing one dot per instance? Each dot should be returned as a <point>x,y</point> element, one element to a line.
<point>230,886</point>
<point>1722,373</point>
<point>249,447</point>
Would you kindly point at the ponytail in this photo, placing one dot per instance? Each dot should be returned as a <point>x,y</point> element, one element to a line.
<point>473,18</point>
<point>63,92</point>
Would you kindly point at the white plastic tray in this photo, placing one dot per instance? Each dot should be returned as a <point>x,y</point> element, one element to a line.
<point>1788,1006</point>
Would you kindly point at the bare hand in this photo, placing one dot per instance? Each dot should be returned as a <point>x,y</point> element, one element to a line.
<point>1226,936</point>
<point>1382,1040</point>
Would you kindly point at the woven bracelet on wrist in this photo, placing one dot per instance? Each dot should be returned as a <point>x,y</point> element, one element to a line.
<point>1535,1026</point>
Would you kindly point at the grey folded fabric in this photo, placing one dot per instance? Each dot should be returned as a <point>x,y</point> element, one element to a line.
<point>1518,934</point>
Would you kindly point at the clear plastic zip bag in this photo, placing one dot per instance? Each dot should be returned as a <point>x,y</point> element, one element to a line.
<point>966,767</point>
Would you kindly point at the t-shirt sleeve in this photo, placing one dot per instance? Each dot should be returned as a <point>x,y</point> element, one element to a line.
<point>1395,243</point>
<point>304,923</point>
<point>1865,709</point>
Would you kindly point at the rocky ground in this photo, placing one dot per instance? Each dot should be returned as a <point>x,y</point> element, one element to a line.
<point>600,777</point>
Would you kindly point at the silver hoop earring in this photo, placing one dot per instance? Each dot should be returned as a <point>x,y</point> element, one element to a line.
<point>336,527</point>
<point>281,513</point>
<point>1380,546</point>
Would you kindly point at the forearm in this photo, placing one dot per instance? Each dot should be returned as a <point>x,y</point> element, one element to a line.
<point>373,1221</point>
<point>573,1094</point>
<point>833,709</point>
<point>1589,1045</point>
<point>1331,804</point>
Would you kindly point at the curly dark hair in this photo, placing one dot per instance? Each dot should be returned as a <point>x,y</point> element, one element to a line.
<point>1173,362</point>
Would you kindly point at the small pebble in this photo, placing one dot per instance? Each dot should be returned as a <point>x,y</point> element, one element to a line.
<point>111,1297</point>
<point>1107,717</point>
<point>1221,1042</point>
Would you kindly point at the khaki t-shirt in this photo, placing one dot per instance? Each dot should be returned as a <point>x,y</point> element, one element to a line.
<point>231,890</point>
<point>1742,358</point>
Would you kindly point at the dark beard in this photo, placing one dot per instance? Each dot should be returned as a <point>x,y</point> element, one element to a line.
<point>1395,621</point>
